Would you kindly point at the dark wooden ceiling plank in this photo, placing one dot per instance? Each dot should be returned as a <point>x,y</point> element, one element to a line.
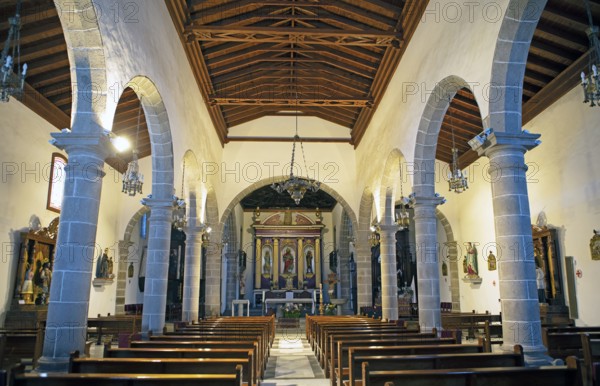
<point>41,49</point>
<point>44,108</point>
<point>354,102</point>
<point>248,49</point>
<point>50,78</point>
<point>556,89</point>
<point>384,8</point>
<point>542,66</point>
<point>50,63</point>
<point>361,15</point>
<point>220,11</point>
<point>560,36</point>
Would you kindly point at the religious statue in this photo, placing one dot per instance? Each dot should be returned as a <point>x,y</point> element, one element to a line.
<point>444,269</point>
<point>471,261</point>
<point>46,280</point>
<point>491,262</point>
<point>27,287</point>
<point>288,261</point>
<point>109,272</point>
<point>332,281</point>
<point>266,263</point>
<point>309,261</point>
<point>102,266</point>
<point>242,284</point>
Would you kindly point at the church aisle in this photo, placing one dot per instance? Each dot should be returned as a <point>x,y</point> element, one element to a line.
<point>292,362</point>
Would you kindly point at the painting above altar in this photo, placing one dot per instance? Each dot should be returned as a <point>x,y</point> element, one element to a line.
<point>288,251</point>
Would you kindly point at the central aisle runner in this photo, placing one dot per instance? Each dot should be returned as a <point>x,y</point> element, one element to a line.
<point>292,362</point>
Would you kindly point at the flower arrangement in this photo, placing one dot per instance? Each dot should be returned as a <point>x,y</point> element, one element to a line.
<point>292,311</point>
<point>329,309</point>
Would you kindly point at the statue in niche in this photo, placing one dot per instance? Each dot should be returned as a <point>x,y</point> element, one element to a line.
<point>471,260</point>
<point>288,261</point>
<point>46,280</point>
<point>27,287</point>
<point>266,267</point>
<point>309,262</point>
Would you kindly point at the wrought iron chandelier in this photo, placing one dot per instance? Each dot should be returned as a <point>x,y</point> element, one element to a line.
<point>133,180</point>
<point>179,210</point>
<point>591,82</point>
<point>402,217</point>
<point>457,179</point>
<point>12,83</point>
<point>296,186</point>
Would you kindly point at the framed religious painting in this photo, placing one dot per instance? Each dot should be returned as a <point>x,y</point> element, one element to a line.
<point>56,182</point>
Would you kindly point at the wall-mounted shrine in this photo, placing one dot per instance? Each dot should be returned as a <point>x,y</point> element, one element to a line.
<point>288,251</point>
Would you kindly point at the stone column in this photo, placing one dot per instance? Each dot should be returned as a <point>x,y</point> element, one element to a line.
<point>516,265</point>
<point>192,274</point>
<point>389,281</point>
<point>427,247</point>
<point>66,326</point>
<point>157,265</point>
<point>364,290</point>
<point>213,274</point>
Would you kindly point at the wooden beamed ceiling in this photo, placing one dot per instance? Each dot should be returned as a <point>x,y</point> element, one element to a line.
<point>331,59</point>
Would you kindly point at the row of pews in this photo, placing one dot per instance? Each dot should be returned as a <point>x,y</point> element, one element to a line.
<point>220,351</point>
<point>358,351</point>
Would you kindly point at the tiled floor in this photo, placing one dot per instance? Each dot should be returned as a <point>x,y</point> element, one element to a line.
<point>292,362</point>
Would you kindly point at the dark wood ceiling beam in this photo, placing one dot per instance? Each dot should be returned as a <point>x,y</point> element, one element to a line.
<point>371,54</point>
<point>57,89</point>
<point>293,35</point>
<point>462,131</point>
<point>466,105</point>
<point>250,71</point>
<point>246,118</point>
<point>331,116</point>
<point>54,62</point>
<point>348,77</point>
<point>50,78</point>
<point>530,91</point>
<point>560,36</point>
<point>260,88</point>
<point>562,15</point>
<point>384,8</point>
<point>41,49</point>
<point>548,50</point>
<point>357,102</point>
<point>468,158</point>
<point>248,51</point>
<point>230,113</point>
<point>362,15</point>
<point>221,11</point>
<point>44,108</point>
<point>345,61</point>
<point>30,15</point>
<point>534,77</point>
<point>554,90</point>
<point>543,66</point>
<point>40,31</point>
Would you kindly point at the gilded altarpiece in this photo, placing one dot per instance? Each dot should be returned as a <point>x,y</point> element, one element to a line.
<point>288,251</point>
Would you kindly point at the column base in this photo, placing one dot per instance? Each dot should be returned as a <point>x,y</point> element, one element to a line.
<point>534,355</point>
<point>52,365</point>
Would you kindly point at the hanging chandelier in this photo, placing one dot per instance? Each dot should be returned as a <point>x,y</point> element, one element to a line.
<point>374,237</point>
<point>133,180</point>
<point>591,81</point>
<point>179,210</point>
<point>296,186</point>
<point>457,179</point>
<point>402,218</point>
<point>11,82</point>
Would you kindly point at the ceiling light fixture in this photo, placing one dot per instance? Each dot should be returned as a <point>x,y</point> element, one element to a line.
<point>591,82</point>
<point>457,179</point>
<point>133,180</point>
<point>12,83</point>
<point>296,186</point>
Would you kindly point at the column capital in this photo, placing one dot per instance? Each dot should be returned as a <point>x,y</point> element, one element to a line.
<point>490,141</point>
<point>157,203</point>
<point>432,201</point>
<point>388,228</point>
<point>98,144</point>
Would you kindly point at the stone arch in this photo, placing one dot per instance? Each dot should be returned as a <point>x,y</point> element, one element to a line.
<point>508,67</point>
<point>429,129</point>
<point>124,254</point>
<point>85,49</point>
<point>451,250</point>
<point>160,136</point>
<point>363,250</point>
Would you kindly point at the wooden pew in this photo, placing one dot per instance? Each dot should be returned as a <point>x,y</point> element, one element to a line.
<point>430,361</point>
<point>591,359</point>
<point>123,379</point>
<point>260,358</point>
<point>16,344</point>
<point>114,325</point>
<point>514,376</point>
<point>338,368</point>
<point>565,341</point>
<point>181,353</point>
<point>468,321</point>
<point>162,366</point>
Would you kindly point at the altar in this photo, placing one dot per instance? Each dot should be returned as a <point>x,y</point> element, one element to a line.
<point>288,298</point>
<point>288,251</point>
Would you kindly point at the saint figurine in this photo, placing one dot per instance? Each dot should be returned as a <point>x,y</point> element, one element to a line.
<point>491,262</point>
<point>309,261</point>
<point>102,266</point>
<point>266,263</point>
<point>288,261</point>
<point>46,279</point>
<point>27,287</point>
<point>471,259</point>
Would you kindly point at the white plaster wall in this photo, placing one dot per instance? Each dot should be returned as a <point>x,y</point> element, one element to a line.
<point>279,126</point>
<point>245,163</point>
<point>564,182</point>
<point>25,156</point>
